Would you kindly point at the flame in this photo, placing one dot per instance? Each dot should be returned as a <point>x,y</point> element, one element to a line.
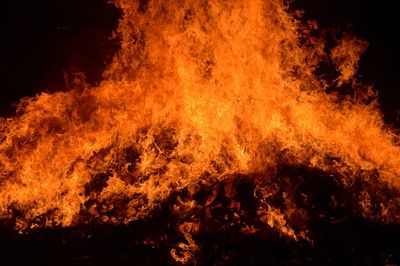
<point>200,95</point>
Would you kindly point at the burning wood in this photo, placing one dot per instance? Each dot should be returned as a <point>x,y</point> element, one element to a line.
<point>211,118</point>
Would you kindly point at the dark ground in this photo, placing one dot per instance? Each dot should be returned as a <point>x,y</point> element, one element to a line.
<point>352,242</point>
<point>40,39</point>
<point>339,236</point>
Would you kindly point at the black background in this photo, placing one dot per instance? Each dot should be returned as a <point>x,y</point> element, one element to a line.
<point>41,39</point>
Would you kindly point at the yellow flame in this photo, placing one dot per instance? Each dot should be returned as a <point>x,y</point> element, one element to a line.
<point>199,91</point>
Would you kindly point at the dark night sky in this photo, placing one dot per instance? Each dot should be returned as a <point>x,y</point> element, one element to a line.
<point>40,39</point>
<point>43,38</point>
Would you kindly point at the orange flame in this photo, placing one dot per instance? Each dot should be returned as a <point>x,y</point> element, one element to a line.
<point>200,92</point>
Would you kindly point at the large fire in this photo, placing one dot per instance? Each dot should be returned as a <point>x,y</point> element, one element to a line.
<point>205,99</point>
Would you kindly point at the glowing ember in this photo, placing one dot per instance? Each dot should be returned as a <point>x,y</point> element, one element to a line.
<point>203,98</point>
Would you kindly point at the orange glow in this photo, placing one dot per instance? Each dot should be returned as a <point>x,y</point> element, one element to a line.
<point>201,92</point>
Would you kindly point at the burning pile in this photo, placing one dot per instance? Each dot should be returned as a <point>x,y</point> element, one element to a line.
<point>209,105</point>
